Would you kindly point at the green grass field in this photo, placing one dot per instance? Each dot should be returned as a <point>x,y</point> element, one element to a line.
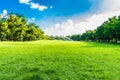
<point>59,60</point>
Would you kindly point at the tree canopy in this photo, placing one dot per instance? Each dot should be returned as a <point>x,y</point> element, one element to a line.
<point>15,28</point>
<point>109,31</point>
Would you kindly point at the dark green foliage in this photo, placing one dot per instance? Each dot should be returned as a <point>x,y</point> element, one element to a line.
<point>15,28</point>
<point>33,25</point>
<point>109,32</point>
<point>67,38</point>
<point>75,37</point>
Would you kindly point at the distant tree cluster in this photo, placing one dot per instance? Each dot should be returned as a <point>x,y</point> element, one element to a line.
<point>60,38</point>
<point>109,32</point>
<point>15,28</point>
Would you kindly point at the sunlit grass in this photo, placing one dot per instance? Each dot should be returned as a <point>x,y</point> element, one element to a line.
<point>59,60</point>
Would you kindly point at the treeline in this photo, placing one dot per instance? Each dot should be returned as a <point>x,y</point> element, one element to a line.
<point>109,32</point>
<point>15,28</point>
<point>60,38</point>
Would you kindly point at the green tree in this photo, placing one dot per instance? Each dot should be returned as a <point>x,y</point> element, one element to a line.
<point>15,28</point>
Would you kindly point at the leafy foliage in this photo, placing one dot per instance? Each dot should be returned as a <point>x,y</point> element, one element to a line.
<point>60,38</point>
<point>109,32</point>
<point>15,28</point>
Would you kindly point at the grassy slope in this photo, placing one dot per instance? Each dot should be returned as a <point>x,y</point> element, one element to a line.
<point>58,60</point>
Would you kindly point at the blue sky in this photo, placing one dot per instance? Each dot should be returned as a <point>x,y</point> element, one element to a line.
<point>59,7</point>
<point>57,10</point>
<point>51,14</point>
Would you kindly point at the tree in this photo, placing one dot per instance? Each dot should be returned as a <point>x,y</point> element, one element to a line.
<point>109,31</point>
<point>4,31</point>
<point>15,28</point>
<point>75,37</point>
<point>32,25</point>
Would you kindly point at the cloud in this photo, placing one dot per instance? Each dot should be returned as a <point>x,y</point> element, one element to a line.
<point>34,5</point>
<point>24,1</point>
<point>60,28</point>
<point>37,6</point>
<point>110,5</point>
<point>33,18</point>
<point>51,7</point>
<point>70,27</point>
<point>4,14</point>
<point>41,8</point>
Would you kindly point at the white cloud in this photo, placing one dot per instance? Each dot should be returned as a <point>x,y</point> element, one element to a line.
<point>4,14</point>
<point>51,7</point>
<point>110,5</point>
<point>37,6</point>
<point>41,8</point>
<point>24,1</point>
<point>33,18</point>
<point>34,5</point>
<point>109,8</point>
<point>61,28</point>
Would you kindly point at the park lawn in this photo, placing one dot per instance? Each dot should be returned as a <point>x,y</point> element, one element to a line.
<point>59,60</point>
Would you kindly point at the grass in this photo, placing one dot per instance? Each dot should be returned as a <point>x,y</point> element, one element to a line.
<point>59,60</point>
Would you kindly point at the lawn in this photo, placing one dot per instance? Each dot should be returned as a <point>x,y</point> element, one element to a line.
<point>59,60</point>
